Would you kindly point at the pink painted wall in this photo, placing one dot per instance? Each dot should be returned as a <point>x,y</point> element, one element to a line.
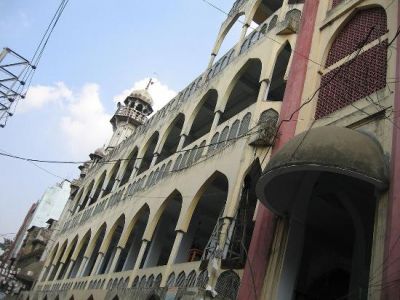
<point>265,222</point>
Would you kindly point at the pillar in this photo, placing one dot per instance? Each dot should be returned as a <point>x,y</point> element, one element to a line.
<point>139,259</point>
<point>181,142</point>
<point>58,271</point>
<point>217,117</point>
<point>49,273</point>
<point>264,88</point>
<point>174,252</point>
<point>43,272</point>
<point>154,160</point>
<point>69,268</point>
<point>115,259</point>
<point>103,188</point>
<point>264,228</point>
<point>82,267</point>
<point>211,61</point>
<point>97,264</point>
<point>242,37</point>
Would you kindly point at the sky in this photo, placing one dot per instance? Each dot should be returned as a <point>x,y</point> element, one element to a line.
<point>98,53</point>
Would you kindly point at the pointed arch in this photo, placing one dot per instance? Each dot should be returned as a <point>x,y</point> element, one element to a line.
<point>202,117</point>
<point>79,254</point>
<point>362,74</point>
<point>58,258</point>
<point>129,168</point>
<point>162,231</point>
<point>171,137</point>
<point>112,178</point>
<point>148,152</point>
<point>77,200</point>
<point>201,217</point>
<point>277,85</point>
<point>110,245</point>
<point>131,240</point>
<point>99,186</point>
<point>244,89</point>
<point>87,196</point>
<point>93,249</point>
<point>67,257</point>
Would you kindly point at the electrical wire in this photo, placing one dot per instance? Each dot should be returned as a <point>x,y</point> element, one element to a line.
<point>28,73</point>
<point>116,160</point>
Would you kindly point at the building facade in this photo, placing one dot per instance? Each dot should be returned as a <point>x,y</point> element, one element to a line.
<point>170,210</point>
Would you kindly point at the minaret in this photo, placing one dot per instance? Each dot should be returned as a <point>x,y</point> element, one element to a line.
<point>133,113</point>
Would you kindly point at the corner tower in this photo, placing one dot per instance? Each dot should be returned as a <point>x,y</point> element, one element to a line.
<point>129,115</point>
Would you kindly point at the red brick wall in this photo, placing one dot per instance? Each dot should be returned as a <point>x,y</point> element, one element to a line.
<point>359,77</point>
<point>355,32</point>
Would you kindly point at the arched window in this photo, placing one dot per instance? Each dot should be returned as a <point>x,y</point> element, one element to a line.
<point>266,9</point>
<point>278,80</point>
<point>204,117</point>
<point>87,196</point>
<point>172,140</point>
<point>245,90</point>
<point>361,74</point>
<point>116,233</point>
<point>112,179</point>
<point>164,234</point>
<point>149,154</point>
<point>129,167</point>
<point>98,188</point>
<point>204,219</point>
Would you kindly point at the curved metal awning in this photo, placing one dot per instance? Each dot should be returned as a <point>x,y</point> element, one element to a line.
<point>324,149</point>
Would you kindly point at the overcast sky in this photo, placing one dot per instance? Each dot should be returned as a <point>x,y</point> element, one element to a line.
<point>100,50</point>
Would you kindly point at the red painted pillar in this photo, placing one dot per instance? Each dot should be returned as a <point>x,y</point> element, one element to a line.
<point>391,264</point>
<point>254,272</point>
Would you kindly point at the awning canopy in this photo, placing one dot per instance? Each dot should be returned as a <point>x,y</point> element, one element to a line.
<point>324,149</point>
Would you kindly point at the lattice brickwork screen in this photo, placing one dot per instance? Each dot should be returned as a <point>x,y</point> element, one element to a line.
<point>358,77</point>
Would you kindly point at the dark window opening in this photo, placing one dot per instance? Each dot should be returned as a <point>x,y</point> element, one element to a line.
<point>278,81</point>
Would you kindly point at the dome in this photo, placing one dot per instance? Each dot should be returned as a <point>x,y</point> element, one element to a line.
<point>98,153</point>
<point>143,95</point>
<point>325,149</point>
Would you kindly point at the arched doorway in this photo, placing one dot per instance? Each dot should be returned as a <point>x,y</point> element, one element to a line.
<point>334,175</point>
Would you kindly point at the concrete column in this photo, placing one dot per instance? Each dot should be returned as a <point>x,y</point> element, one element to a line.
<point>138,261</point>
<point>213,275</point>
<point>82,267</point>
<point>242,37</point>
<point>49,273</point>
<point>103,188</point>
<point>97,264</point>
<point>175,248</point>
<point>43,272</point>
<point>154,160</point>
<point>211,61</point>
<point>69,268</point>
<point>59,270</point>
<point>140,255</point>
<point>264,89</point>
<point>217,116</point>
<point>181,142</point>
<point>115,259</point>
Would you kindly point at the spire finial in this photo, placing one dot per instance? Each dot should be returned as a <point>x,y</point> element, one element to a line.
<point>150,83</point>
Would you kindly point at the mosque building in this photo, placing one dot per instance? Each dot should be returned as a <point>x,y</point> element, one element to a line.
<point>272,175</point>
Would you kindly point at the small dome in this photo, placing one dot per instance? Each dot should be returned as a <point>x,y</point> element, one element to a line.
<point>143,95</point>
<point>325,149</point>
<point>98,153</point>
